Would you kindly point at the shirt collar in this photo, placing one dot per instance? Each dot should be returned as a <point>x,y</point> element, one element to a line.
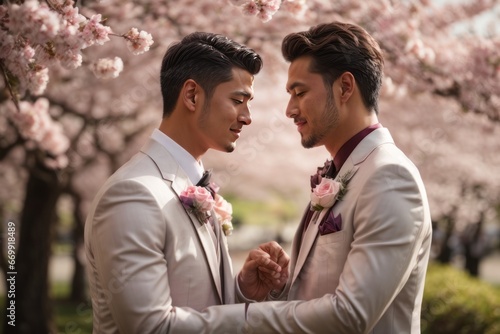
<point>349,146</point>
<point>188,163</point>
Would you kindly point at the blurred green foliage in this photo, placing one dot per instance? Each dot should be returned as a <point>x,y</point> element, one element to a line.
<point>70,317</point>
<point>262,213</point>
<point>455,303</point>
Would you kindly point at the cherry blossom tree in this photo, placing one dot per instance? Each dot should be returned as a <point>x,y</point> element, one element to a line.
<point>64,130</point>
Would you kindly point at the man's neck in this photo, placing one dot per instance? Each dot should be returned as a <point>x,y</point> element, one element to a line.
<point>346,131</point>
<point>179,131</point>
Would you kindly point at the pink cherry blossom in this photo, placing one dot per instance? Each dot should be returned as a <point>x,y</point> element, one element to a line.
<point>36,125</point>
<point>35,20</point>
<point>107,68</point>
<point>94,32</point>
<point>138,42</point>
<point>263,9</point>
<point>37,80</point>
<point>71,59</point>
<point>250,8</point>
<point>295,7</point>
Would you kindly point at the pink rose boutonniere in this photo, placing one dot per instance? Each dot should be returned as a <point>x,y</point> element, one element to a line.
<point>328,191</point>
<point>324,194</point>
<point>200,202</point>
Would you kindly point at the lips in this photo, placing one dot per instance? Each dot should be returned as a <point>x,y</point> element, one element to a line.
<point>236,132</point>
<point>300,123</point>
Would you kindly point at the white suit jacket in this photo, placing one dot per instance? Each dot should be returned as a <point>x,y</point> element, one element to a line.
<point>146,254</point>
<point>366,278</point>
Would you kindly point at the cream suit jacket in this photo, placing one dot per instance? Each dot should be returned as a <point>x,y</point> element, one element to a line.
<point>366,278</point>
<point>369,276</point>
<point>147,256</point>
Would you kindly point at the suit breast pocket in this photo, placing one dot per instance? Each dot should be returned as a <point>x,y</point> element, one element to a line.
<point>332,238</point>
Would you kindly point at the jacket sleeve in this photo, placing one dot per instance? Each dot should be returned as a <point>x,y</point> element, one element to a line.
<point>128,236</point>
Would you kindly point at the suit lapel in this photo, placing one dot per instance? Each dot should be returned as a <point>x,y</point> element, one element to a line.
<point>179,181</point>
<point>304,241</point>
<point>226,267</point>
<point>210,254</point>
<point>309,236</point>
<point>205,232</point>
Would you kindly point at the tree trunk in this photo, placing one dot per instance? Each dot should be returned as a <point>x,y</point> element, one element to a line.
<point>33,309</point>
<point>78,286</point>
<point>474,246</point>
<point>446,252</point>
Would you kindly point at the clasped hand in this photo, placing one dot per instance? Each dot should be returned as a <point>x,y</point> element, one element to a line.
<point>265,269</point>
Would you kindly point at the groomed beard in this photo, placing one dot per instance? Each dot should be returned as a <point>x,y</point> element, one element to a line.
<point>329,118</point>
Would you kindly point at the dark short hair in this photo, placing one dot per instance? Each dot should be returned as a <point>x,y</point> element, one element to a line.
<point>337,48</point>
<point>205,58</point>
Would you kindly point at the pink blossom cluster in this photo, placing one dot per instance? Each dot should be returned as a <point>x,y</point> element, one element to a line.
<point>263,9</point>
<point>107,68</point>
<point>38,128</point>
<point>295,7</point>
<point>420,50</point>
<point>35,36</point>
<point>138,41</point>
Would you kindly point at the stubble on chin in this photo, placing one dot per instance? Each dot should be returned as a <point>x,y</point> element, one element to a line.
<point>309,142</point>
<point>231,147</point>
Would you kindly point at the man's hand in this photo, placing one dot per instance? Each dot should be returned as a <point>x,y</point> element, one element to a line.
<point>265,269</point>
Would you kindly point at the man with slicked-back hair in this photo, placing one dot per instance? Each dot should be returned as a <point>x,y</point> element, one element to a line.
<point>153,256</point>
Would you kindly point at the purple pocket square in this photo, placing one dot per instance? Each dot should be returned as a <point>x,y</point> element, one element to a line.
<point>331,224</point>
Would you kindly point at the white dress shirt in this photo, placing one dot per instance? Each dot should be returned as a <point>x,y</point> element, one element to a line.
<point>194,169</point>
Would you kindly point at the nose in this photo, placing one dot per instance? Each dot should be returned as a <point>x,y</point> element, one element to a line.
<point>291,109</point>
<point>245,117</point>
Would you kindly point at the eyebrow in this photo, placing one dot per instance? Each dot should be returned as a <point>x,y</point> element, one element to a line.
<point>294,85</point>
<point>244,94</point>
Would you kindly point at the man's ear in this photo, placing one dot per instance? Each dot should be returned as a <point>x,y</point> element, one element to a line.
<point>346,86</point>
<point>189,93</point>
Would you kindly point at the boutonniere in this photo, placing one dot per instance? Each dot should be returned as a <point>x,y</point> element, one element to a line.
<point>200,202</point>
<point>328,191</point>
<point>224,211</point>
